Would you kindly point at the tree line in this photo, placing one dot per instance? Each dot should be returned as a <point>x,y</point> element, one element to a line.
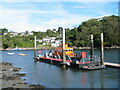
<point>78,36</point>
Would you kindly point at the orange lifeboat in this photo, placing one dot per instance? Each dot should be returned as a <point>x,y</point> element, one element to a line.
<point>68,51</point>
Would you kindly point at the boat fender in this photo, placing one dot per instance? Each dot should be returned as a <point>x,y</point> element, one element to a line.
<point>67,63</point>
<point>77,61</point>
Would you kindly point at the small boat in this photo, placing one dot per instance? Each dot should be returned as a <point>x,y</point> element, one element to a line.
<point>22,54</point>
<point>10,53</point>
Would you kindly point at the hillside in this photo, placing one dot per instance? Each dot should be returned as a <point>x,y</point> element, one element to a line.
<point>78,36</point>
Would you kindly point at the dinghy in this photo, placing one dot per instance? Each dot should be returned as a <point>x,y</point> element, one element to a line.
<point>10,53</point>
<point>22,54</point>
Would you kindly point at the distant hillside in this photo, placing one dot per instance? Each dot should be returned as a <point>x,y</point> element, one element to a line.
<point>78,36</point>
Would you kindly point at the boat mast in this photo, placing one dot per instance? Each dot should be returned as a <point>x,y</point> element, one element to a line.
<point>63,45</point>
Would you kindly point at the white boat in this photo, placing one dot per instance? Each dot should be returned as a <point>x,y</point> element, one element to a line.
<point>10,53</point>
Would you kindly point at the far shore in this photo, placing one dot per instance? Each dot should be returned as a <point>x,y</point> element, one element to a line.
<point>53,48</point>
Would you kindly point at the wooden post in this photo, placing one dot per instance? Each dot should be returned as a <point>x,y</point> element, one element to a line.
<point>35,46</point>
<point>102,50</point>
<point>92,49</point>
<point>63,45</point>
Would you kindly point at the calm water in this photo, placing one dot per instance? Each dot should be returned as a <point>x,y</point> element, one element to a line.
<point>56,77</point>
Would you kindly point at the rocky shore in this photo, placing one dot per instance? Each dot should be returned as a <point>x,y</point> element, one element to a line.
<point>10,78</point>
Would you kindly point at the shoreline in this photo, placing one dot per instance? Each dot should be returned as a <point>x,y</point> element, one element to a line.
<point>53,48</point>
<point>11,77</point>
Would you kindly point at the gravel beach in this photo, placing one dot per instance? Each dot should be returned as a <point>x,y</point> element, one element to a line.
<point>11,78</point>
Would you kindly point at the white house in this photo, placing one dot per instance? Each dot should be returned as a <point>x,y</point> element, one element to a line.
<point>56,43</point>
<point>30,33</point>
<point>22,33</point>
<point>5,33</point>
<point>44,43</point>
<point>46,39</point>
<point>39,40</point>
<point>51,41</point>
<point>52,38</point>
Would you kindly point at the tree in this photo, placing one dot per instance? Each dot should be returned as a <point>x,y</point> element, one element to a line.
<point>2,31</point>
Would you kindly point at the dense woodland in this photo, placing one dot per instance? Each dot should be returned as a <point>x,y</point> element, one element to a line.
<point>78,36</point>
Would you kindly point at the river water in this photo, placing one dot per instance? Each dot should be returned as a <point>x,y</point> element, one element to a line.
<point>53,76</point>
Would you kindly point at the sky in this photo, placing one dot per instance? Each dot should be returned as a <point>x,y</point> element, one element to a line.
<point>21,15</point>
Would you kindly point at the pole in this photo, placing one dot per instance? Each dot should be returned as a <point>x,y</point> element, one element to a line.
<point>35,46</point>
<point>102,50</point>
<point>63,45</point>
<point>92,49</point>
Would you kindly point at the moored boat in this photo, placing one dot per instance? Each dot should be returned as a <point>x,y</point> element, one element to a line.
<point>10,53</point>
<point>80,62</point>
<point>90,65</point>
<point>22,54</point>
<point>65,56</point>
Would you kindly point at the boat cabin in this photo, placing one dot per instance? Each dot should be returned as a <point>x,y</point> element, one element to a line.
<point>68,51</point>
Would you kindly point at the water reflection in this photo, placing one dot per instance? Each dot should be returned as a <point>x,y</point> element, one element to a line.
<point>84,79</point>
<point>64,76</point>
<point>92,81</point>
<point>102,78</point>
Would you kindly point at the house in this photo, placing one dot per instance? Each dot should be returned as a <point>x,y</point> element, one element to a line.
<point>11,33</point>
<point>5,34</point>
<point>22,33</point>
<point>14,33</point>
<point>48,40</point>
<point>39,40</point>
<point>30,33</point>
<point>56,43</point>
<point>51,41</point>
<point>26,34</point>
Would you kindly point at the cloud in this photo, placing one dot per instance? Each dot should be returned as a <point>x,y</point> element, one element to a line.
<point>20,20</point>
<point>11,16</point>
<point>22,27</point>
<point>67,20</point>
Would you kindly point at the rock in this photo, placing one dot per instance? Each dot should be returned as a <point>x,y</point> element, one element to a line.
<point>4,77</point>
<point>12,80</point>
<point>25,83</point>
<point>6,63</point>
<point>20,74</point>
<point>19,83</point>
<point>36,86</point>
<point>13,84</point>
<point>16,69</point>
<point>4,70</point>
